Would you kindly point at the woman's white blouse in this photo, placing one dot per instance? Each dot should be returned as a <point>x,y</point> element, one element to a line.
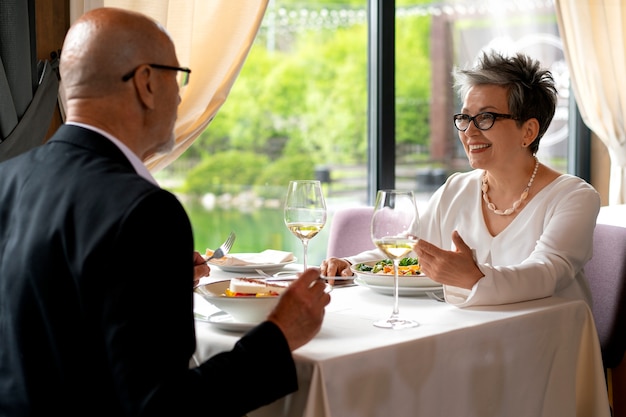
<point>540,254</point>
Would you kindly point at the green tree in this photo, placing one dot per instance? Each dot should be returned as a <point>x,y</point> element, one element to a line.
<point>224,172</point>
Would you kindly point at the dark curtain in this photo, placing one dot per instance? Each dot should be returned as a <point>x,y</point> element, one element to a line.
<point>28,89</point>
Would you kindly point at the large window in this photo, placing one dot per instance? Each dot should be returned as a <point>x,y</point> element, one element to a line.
<point>454,34</point>
<point>357,95</point>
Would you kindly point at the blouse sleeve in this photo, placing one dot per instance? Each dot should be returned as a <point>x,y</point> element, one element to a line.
<point>542,253</point>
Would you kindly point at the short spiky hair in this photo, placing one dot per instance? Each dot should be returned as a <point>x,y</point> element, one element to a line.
<point>531,89</point>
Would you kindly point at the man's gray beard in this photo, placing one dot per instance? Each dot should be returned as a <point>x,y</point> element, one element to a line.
<point>167,147</point>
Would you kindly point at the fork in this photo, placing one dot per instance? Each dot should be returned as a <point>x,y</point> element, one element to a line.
<point>224,248</point>
<point>435,297</point>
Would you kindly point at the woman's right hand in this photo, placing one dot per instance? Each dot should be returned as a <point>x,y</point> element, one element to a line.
<point>335,267</point>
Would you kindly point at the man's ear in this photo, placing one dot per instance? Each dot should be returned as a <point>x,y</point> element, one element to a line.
<point>144,82</point>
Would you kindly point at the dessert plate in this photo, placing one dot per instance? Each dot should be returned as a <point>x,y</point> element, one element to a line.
<point>403,291</point>
<point>243,309</point>
<point>223,321</point>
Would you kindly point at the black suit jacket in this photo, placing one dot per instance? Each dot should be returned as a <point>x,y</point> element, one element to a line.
<point>96,304</point>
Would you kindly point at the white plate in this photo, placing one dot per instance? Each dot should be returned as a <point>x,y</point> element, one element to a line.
<point>386,280</point>
<point>243,309</point>
<point>222,320</point>
<point>404,291</point>
<point>250,268</point>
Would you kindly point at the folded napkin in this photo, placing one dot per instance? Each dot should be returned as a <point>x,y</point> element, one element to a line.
<point>268,256</point>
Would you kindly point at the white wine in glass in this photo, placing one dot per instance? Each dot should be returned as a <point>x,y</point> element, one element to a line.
<point>305,211</point>
<point>395,229</point>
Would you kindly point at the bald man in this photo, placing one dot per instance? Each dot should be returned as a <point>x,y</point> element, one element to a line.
<point>89,326</point>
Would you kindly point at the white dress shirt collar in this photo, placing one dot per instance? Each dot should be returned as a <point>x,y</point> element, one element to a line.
<point>134,159</point>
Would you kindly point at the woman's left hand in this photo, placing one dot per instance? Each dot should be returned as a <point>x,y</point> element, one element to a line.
<point>457,268</point>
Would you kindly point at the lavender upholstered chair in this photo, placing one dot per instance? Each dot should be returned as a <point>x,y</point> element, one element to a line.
<point>349,232</point>
<point>606,273</point>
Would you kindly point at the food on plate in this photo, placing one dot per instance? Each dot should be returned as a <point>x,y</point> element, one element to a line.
<point>209,252</point>
<point>255,287</point>
<point>407,267</point>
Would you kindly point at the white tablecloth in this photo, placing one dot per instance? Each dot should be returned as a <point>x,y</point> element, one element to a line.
<point>539,358</point>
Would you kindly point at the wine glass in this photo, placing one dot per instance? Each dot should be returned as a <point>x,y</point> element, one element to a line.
<point>305,211</point>
<point>395,229</point>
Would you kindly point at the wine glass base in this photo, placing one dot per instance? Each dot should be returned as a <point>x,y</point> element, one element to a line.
<point>396,323</point>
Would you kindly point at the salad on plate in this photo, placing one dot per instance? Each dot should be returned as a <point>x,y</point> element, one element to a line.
<point>407,267</point>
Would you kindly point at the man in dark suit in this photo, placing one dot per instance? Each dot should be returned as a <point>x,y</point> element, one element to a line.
<point>97,261</point>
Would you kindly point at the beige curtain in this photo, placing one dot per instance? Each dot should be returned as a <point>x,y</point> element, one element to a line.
<point>594,37</point>
<point>213,38</point>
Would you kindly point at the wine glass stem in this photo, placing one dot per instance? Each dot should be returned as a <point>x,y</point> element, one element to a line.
<point>396,265</point>
<point>305,245</point>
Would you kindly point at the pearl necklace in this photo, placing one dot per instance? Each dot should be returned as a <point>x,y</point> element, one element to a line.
<point>509,211</point>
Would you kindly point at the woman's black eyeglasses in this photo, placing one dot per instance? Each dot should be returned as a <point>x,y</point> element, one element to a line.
<point>182,77</point>
<point>483,121</point>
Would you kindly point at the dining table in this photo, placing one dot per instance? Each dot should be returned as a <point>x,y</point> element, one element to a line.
<point>534,358</point>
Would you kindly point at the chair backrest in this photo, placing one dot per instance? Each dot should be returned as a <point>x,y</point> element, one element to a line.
<point>606,274</point>
<point>349,231</point>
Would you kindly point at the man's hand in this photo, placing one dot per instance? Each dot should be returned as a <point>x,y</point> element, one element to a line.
<point>300,310</point>
<point>200,269</point>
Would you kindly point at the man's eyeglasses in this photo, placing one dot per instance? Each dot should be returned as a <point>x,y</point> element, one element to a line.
<point>182,77</point>
<point>483,121</point>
